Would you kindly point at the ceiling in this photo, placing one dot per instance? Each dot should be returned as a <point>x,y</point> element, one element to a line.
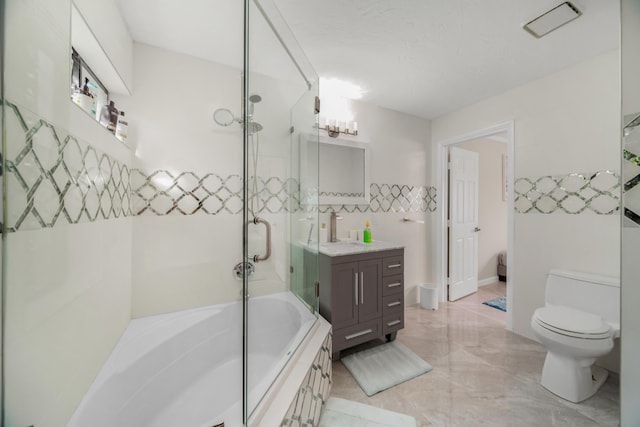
<point>421,57</point>
<point>431,57</point>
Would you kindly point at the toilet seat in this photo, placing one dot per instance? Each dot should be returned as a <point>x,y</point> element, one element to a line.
<point>573,323</point>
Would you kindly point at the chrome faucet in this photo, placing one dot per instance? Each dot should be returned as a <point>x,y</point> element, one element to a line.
<point>333,226</point>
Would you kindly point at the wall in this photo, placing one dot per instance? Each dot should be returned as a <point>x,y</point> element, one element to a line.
<point>630,287</point>
<point>399,175</point>
<point>567,122</point>
<point>68,248</point>
<point>492,209</point>
<point>187,181</point>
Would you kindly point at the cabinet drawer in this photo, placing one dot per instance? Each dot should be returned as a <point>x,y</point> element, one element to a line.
<point>392,265</point>
<point>393,304</point>
<point>363,332</point>
<point>393,285</point>
<point>392,323</point>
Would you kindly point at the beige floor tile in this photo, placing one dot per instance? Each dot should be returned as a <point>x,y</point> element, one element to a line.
<point>483,375</point>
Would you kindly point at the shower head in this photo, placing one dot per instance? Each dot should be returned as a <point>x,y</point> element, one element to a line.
<point>254,127</point>
<point>224,117</point>
<point>255,98</point>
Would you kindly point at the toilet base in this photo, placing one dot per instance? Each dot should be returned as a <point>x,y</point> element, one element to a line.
<point>572,379</point>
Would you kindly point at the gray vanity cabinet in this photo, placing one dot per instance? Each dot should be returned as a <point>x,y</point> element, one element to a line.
<point>362,296</point>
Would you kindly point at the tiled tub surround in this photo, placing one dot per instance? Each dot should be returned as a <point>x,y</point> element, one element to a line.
<point>54,178</point>
<point>144,365</point>
<point>573,193</point>
<point>164,193</point>
<point>313,393</point>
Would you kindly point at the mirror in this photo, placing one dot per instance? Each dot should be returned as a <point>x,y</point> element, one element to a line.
<point>344,171</point>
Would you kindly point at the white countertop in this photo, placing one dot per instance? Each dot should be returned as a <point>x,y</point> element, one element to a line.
<point>350,247</point>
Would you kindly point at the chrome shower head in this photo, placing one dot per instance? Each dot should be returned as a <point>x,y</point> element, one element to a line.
<point>255,98</point>
<point>254,127</point>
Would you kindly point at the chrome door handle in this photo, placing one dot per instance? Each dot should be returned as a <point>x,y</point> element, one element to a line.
<point>361,287</point>
<point>475,230</point>
<point>257,258</point>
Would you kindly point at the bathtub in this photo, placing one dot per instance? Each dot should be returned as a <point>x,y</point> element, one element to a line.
<point>185,368</point>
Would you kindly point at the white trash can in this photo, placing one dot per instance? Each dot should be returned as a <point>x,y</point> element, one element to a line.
<point>429,296</point>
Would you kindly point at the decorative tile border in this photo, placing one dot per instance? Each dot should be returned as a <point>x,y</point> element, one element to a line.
<point>338,194</point>
<point>163,193</point>
<point>306,407</point>
<point>54,178</point>
<point>631,173</point>
<point>392,198</point>
<point>572,194</point>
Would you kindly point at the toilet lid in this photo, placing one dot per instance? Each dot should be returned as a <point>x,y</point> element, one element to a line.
<point>571,322</point>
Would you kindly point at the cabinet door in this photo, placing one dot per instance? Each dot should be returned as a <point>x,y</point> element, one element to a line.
<point>370,292</point>
<point>344,291</point>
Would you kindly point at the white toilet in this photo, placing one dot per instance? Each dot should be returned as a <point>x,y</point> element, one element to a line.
<point>578,323</point>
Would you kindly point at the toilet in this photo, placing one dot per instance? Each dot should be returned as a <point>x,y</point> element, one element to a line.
<point>578,323</point>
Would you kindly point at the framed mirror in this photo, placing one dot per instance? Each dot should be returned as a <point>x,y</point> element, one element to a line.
<point>344,171</point>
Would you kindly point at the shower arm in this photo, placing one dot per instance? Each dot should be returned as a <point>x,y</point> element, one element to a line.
<point>258,258</point>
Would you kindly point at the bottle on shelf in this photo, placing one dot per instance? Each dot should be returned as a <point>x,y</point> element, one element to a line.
<point>84,98</point>
<point>121,128</point>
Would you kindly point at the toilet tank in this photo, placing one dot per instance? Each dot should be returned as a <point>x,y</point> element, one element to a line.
<point>588,292</point>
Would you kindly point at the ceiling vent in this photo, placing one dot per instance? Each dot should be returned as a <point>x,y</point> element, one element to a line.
<point>553,19</point>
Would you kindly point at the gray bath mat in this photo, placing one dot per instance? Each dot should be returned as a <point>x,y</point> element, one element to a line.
<point>384,366</point>
<point>346,413</point>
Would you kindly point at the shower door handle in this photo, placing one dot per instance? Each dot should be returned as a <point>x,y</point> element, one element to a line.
<point>257,258</point>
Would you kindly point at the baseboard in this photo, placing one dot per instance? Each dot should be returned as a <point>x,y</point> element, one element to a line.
<point>488,281</point>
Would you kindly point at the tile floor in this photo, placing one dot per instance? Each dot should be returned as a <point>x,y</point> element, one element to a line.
<point>482,374</point>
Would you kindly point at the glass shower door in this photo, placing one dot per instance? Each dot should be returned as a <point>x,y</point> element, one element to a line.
<point>304,208</point>
<point>282,216</point>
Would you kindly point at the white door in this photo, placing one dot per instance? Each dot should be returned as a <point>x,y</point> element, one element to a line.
<point>463,223</point>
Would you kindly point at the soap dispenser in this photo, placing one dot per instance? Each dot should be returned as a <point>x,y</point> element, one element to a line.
<point>324,233</point>
<point>366,233</point>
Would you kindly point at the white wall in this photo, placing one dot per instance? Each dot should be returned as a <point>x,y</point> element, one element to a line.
<point>492,210</point>
<point>630,287</point>
<point>171,127</point>
<point>398,152</point>
<point>68,287</point>
<point>565,122</point>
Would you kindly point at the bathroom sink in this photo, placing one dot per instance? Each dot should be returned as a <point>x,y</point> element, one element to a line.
<point>347,247</point>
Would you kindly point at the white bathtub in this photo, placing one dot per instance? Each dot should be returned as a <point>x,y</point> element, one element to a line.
<point>184,369</point>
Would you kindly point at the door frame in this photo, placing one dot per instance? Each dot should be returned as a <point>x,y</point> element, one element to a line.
<point>442,247</point>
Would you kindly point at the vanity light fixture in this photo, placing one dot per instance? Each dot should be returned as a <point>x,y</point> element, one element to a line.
<point>335,128</point>
<point>552,20</point>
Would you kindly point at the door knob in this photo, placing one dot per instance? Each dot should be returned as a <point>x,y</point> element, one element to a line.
<point>476,229</point>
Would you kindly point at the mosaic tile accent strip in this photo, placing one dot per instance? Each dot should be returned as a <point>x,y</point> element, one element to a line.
<point>574,193</point>
<point>392,198</point>
<point>338,194</point>
<point>631,173</point>
<point>163,193</point>
<point>54,178</point>
<point>313,393</point>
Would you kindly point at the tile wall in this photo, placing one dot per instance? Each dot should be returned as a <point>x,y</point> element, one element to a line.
<point>574,193</point>
<point>306,407</point>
